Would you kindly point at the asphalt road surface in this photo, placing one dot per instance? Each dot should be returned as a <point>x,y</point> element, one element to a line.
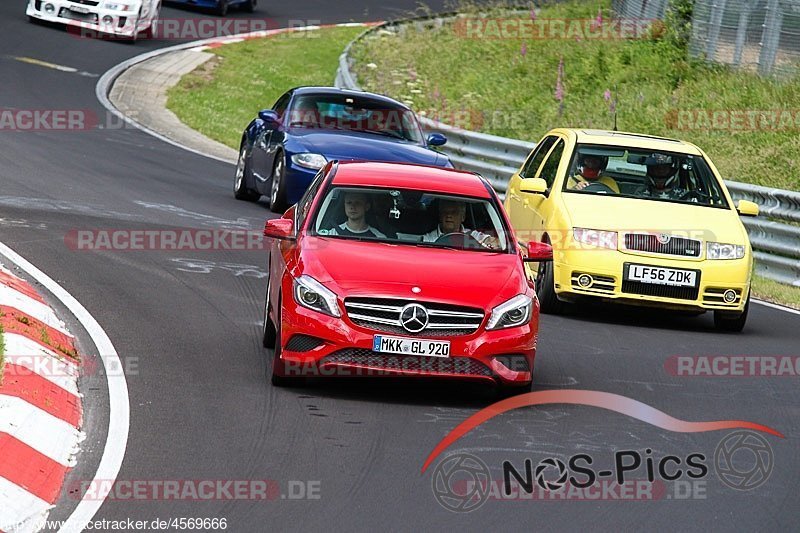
<point>187,324</point>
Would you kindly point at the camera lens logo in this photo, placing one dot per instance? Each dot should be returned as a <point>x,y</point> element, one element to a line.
<point>460,483</point>
<point>549,463</point>
<point>743,460</point>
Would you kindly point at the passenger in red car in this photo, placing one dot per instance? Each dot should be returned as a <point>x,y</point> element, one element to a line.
<point>356,206</point>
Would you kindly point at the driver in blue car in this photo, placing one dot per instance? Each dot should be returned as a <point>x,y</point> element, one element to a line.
<point>451,220</point>
<point>591,171</point>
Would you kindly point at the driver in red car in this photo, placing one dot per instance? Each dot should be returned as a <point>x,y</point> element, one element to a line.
<point>591,171</point>
<point>451,220</point>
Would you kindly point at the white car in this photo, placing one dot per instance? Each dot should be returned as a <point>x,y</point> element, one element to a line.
<point>120,18</point>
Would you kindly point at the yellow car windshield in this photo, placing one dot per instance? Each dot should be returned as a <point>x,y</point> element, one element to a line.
<point>643,174</point>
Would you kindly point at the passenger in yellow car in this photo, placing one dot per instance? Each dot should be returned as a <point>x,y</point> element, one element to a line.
<point>591,168</point>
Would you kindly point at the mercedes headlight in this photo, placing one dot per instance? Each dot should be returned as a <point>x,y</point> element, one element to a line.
<point>719,250</point>
<point>312,294</point>
<point>514,312</point>
<point>311,161</point>
<point>596,237</point>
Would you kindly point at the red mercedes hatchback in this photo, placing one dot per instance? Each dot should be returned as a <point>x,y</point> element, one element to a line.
<point>387,269</point>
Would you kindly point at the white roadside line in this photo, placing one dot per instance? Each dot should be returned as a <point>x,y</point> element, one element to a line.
<point>53,66</point>
<point>119,403</point>
<point>777,306</point>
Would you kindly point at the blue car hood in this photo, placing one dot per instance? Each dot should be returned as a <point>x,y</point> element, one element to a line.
<point>369,147</point>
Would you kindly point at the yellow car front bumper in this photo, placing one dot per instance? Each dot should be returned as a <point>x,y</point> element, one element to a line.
<point>606,269</point>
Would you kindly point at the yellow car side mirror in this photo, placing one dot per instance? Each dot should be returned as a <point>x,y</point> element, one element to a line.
<point>747,208</point>
<point>533,186</point>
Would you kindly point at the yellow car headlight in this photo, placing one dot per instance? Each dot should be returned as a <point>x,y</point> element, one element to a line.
<point>719,250</point>
<point>596,237</point>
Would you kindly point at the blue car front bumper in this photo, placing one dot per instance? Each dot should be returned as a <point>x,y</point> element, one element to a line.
<point>297,181</point>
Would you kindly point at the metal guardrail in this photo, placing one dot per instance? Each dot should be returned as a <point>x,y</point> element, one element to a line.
<point>776,245</point>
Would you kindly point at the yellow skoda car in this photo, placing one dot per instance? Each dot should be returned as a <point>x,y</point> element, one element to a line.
<point>634,219</point>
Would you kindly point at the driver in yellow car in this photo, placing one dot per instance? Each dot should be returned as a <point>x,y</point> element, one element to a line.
<point>591,171</point>
<point>451,220</point>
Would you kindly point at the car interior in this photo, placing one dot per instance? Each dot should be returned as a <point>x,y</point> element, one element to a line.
<point>628,168</point>
<point>402,215</point>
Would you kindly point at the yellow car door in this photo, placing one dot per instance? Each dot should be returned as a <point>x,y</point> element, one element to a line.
<point>517,202</point>
<point>539,207</point>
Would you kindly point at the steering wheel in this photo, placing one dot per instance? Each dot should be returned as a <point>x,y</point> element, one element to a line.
<point>597,187</point>
<point>458,240</point>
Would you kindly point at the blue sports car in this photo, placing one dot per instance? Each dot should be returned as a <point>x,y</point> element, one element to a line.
<point>220,7</point>
<point>284,147</point>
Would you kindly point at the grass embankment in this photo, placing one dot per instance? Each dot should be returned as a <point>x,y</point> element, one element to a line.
<point>775,292</point>
<point>510,84</point>
<point>224,95</point>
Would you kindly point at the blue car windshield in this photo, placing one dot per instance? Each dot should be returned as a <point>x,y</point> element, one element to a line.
<point>353,113</point>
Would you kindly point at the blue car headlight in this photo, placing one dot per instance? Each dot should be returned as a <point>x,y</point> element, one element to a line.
<point>310,161</point>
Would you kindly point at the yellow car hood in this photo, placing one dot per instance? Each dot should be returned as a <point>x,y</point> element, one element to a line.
<point>651,216</point>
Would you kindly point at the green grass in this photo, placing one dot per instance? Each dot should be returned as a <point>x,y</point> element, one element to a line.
<point>220,99</point>
<point>440,72</point>
<point>772,291</point>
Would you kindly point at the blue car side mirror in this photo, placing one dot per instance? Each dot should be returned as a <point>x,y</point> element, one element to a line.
<point>269,116</point>
<point>436,139</point>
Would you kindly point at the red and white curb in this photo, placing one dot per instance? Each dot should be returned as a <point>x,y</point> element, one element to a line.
<point>40,406</point>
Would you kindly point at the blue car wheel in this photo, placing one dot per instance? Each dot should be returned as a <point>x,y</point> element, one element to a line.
<point>240,189</point>
<point>277,192</point>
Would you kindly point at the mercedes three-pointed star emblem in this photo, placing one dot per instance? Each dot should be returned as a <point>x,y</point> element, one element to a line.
<point>414,318</point>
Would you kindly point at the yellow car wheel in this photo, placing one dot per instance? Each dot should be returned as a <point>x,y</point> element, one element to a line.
<point>725,321</point>
<point>546,290</point>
